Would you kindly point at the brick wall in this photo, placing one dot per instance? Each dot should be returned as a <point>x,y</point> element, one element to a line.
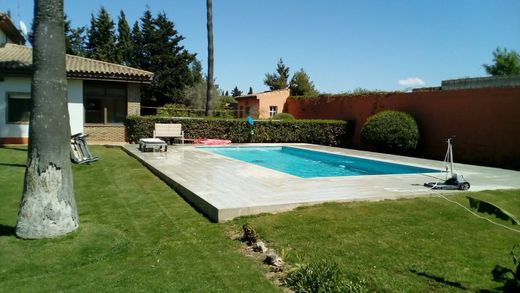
<point>107,133</point>
<point>485,121</point>
<point>134,99</point>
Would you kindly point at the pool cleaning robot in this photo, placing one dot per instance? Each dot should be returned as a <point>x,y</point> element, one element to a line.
<point>455,182</point>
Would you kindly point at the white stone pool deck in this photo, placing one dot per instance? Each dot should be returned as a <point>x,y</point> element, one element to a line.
<point>224,188</point>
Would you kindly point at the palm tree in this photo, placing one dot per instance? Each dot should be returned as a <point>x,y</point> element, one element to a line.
<point>210,89</point>
<point>48,208</point>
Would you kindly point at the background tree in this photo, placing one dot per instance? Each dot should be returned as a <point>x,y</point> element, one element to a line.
<point>48,208</point>
<point>157,48</point>
<point>74,39</point>
<point>101,44</point>
<point>210,92</point>
<point>279,79</point>
<point>505,63</point>
<point>137,58</point>
<point>125,48</point>
<point>301,85</point>
<point>250,92</point>
<point>236,92</point>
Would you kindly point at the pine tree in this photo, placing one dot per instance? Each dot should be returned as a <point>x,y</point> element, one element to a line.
<point>74,39</point>
<point>125,46</point>
<point>236,92</point>
<point>279,79</point>
<point>101,38</point>
<point>160,51</point>
<point>301,85</point>
<point>250,92</point>
<point>137,58</point>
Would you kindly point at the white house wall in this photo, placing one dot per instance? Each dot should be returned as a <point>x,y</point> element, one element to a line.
<point>23,85</point>
<point>3,38</point>
<point>75,94</point>
<point>12,85</point>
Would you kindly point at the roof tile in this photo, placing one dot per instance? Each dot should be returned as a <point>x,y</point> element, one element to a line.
<point>16,58</point>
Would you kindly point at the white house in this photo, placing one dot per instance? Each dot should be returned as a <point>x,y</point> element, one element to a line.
<point>100,94</point>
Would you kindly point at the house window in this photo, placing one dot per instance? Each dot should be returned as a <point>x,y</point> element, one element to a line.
<point>104,102</point>
<point>18,107</point>
<point>273,110</point>
<point>248,110</point>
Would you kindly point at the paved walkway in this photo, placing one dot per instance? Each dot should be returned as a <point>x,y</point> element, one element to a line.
<point>224,188</point>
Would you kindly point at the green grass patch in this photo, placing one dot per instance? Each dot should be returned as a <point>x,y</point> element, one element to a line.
<point>410,245</point>
<point>136,234</point>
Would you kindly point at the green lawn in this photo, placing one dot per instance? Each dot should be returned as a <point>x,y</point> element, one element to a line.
<point>411,245</point>
<point>137,234</point>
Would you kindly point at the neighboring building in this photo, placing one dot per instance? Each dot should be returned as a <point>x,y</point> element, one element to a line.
<point>8,32</point>
<point>262,105</point>
<point>100,94</point>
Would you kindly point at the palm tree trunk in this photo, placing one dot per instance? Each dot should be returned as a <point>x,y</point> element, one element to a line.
<point>48,208</point>
<point>210,90</point>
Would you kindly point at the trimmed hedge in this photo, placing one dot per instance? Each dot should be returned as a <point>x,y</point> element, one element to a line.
<point>391,130</point>
<point>324,132</point>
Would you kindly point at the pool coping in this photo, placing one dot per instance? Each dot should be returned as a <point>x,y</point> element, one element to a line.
<point>223,188</point>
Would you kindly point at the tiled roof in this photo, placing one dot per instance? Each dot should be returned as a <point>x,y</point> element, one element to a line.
<point>18,59</point>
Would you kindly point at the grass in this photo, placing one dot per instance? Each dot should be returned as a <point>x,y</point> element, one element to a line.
<point>136,234</point>
<point>412,245</point>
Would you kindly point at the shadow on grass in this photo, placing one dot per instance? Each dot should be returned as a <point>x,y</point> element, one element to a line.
<point>6,230</point>
<point>12,165</point>
<point>439,279</point>
<point>13,148</point>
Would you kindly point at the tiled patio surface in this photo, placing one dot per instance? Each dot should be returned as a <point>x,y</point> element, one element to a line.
<point>224,188</point>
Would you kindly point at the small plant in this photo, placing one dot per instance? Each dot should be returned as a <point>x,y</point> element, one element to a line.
<point>250,236</point>
<point>391,130</point>
<point>283,116</point>
<point>322,276</point>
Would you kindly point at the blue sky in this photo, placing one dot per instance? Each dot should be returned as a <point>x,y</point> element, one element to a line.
<point>341,44</point>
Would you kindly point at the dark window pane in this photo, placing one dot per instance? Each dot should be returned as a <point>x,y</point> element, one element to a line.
<point>18,110</point>
<point>104,99</point>
<point>94,111</point>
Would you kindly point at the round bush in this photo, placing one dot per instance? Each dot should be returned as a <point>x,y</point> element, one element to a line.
<point>391,130</point>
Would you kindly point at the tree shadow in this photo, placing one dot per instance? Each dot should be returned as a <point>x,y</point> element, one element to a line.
<point>13,148</point>
<point>439,279</point>
<point>7,230</point>
<point>12,165</point>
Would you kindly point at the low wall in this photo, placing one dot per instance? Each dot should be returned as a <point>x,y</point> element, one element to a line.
<point>485,121</point>
<point>105,133</point>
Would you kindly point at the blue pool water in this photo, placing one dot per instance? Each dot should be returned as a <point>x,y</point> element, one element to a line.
<point>309,164</point>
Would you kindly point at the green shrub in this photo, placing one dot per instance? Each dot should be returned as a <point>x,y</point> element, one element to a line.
<point>323,132</point>
<point>391,130</point>
<point>323,276</point>
<point>283,116</point>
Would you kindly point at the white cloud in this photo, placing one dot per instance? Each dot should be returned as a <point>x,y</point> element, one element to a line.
<point>411,82</point>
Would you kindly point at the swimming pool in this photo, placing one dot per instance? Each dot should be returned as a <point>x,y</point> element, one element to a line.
<point>310,164</point>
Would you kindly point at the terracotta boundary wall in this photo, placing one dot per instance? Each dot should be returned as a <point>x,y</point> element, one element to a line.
<point>485,121</point>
